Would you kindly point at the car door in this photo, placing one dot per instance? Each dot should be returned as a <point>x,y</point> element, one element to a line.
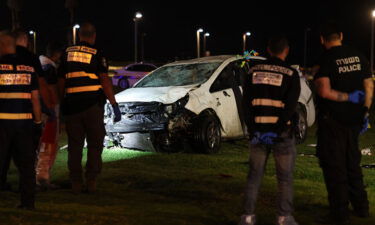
<point>227,94</point>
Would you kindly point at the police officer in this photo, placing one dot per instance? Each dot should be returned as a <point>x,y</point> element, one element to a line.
<point>270,99</point>
<point>85,84</point>
<point>22,43</point>
<point>19,107</point>
<point>345,90</point>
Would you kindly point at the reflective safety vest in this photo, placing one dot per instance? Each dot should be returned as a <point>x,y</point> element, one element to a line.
<point>81,67</point>
<point>271,95</point>
<point>16,83</point>
<point>81,75</point>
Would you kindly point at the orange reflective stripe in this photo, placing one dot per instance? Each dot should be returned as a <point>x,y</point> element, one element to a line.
<point>266,119</point>
<point>83,89</point>
<point>81,74</point>
<point>15,116</point>
<point>268,102</point>
<point>15,96</point>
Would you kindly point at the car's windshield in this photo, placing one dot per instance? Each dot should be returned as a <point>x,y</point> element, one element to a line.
<point>179,75</point>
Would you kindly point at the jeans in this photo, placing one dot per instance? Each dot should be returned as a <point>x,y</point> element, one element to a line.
<point>284,153</point>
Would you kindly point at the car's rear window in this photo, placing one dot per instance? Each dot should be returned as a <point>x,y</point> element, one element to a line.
<point>179,75</point>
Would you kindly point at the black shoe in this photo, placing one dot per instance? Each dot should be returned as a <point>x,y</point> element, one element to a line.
<point>26,207</point>
<point>333,220</point>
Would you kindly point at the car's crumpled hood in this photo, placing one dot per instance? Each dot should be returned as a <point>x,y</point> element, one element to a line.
<point>165,95</point>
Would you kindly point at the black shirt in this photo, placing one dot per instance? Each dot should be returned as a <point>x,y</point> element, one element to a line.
<point>81,67</point>
<point>17,80</point>
<point>347,69</point>
<point>271,95</point>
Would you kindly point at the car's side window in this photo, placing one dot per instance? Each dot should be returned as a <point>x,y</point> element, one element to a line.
<point>225,80</point>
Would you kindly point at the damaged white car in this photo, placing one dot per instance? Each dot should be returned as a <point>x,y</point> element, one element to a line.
<point>195,102</point>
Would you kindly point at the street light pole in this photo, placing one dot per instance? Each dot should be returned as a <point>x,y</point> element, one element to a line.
<point>75,28</point>
<point>34,39</point>
<point>137,17</point>
<point>372,42</point>
<point>244,39</point>
<point>206,35</point>
<point>199,31</point>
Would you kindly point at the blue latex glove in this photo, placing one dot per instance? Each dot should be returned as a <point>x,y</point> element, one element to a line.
<point>365,124</point>
<point>268,138</point>
<point>256,139</point>
<point>356,97</point>
<point>117,112</point>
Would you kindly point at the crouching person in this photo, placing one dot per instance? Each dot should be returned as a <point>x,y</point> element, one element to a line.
<point>270,98</point>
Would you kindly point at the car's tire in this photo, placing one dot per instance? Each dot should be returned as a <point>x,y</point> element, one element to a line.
<point>207,135</point>
<point>301,124</point>
<point>123,83</point>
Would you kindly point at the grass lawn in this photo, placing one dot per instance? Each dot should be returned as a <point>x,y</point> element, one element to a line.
<point>138,188</point>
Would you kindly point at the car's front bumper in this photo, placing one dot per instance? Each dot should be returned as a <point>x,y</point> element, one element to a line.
<point>139,117</point>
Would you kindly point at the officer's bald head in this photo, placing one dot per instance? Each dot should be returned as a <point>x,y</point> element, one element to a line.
<point>7,43</point>
<point>87,32</point>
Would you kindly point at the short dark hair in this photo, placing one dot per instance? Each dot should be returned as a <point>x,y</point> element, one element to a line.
<point>278,43</point>
<point>87,30</point>
<point>54,47</point>
<point>330,31</point>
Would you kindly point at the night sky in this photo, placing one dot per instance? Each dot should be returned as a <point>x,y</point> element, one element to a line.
<point>170,26</point>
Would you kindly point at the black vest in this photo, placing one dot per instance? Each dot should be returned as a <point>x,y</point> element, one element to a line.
<point>17,80</point>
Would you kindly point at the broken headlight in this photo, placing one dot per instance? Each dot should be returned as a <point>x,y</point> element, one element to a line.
<point>172,108</point>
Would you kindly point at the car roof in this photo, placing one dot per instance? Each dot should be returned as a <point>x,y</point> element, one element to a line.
<point>146,64</point>
<point>219,58</point>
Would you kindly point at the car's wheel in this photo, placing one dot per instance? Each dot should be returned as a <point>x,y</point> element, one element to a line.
<point>162,142</point>
<point>301,124</point>
<point>207,135</point>
<point>123,83</point>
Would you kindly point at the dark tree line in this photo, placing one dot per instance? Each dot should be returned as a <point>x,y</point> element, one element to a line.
<point>16,6</point>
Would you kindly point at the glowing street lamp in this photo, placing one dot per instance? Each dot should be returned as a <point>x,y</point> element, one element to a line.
<point>75,28</point>
<point>137,17</point>
<point>206,35</point>
<point>372,42</point>
<point>33,33</point>
<point>244,38</point>
<point>199,31</point>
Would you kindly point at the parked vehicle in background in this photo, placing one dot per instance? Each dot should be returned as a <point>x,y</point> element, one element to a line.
<point>198,102</point>
<point>127,76</point>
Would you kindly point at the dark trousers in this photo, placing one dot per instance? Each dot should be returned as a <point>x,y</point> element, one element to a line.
<point>4,170</point>
<point>340,159</point>
<point>285,155</point>
<point>18,143</point>
<point>88,124</point>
